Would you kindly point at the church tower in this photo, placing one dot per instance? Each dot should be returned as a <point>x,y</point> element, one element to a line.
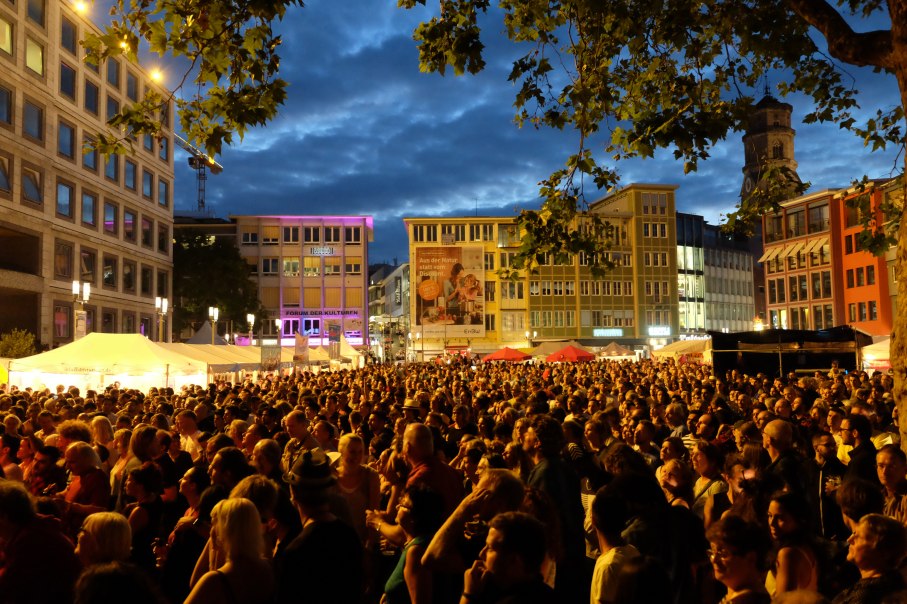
<point>768,143</point>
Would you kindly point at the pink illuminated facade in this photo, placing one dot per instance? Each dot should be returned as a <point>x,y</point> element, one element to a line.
<point>312,274</point>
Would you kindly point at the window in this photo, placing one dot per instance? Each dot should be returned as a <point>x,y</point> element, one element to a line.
<point>291,234</point>
<point>147,184</point>
<point>112,167</point>
<point>850,280</point>
<point>861,277</point>
<point>91,97</point>
<point>146,281</point>
<point>36,11</point>
<point>489,261</point>
<point>128,276</point>
<point>353,265</point>
<point>68,35</point>
<point>852,312</point>
<point>65,194</point>
<point>110,218</point>
<point>311,266</point>
<point>311,234</point>
<point>147,230</point>
<point>34,56</point>
<point>67,81</point>
<point>291,298</point>
<point>353,235</point>
<point>873,311</point>
<point>130,226</point>
<point>6,106</point>
<point>163,238</point>
<point>108,321</point>
<point>113,72</point>
<point>163,150</point>
<point>429,233</point>
<point>109,271</point>
<point>132,86</point>
<point>489,322</point>
<point>129,172</point>
<point>270,235</point>
<point>311,327</point>
<point>6,36</point>
<point>113,107</point>
<point>33,123</point>
<point>89,155</point>
<point>31,185</point>
<point>870,275</point>
<point>88,261</point>
<point>848,245</point>
<point>291,266</point>
<point>163,192</point>
<point>269,266</point>
<point>6,184</point>
<point>332,265</point>
<point>332,234</point>
<point>162,284</point>
<point>63,260</point>
<point>250,238</point>
<point>66,140</point>
<point>862,308</point>
<point>89,209</point>
<point>148,143</point>
<point>490,290</point>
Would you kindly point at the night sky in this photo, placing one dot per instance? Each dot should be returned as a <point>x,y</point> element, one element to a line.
<point>365,132</point>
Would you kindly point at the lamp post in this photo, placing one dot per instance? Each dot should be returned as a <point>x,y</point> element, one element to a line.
<point>278,324</point>
<point>81,291</point>
<point>213,313</point>
<point>531,335</point>
<point>162,306</point>
<point>250,319</point>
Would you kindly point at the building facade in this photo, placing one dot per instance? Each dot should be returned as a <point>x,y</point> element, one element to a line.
<point>312,274</point>
<point>389,312</point>
<point>68,217</point>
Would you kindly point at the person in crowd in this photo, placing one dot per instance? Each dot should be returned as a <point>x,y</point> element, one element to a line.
<point>105,537</point>
<point>246,577</point>
<point>419,514</point>
<point>114,581</point>
<point>707,463</point>
<point>797,560</point>
<point>357,483</point>
<point>102,440</point>
<point>856,432</point>
<point>144,486</point>
<point>39,564</point>
<point>297,427</point>
<point>190,435</point>
<point>778,440</point>
<point>28,447</point>
<point>739,555</point>
<point>508,568</point>
<point>891,465</point>
<point>828,471</point>
<point>609,518</point>
<point>676,480</point>
<point>87,491</point>
<point>877,547</point>
<point>266,459</point>
<point>324,563</point>
<point>228,467</point>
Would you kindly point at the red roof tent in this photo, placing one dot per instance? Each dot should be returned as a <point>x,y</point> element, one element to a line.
<point>570,354</point>
<point>506,354</point>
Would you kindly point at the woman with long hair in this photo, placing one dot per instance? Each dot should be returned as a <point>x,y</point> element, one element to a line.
<point>796,564</point>
<point>707,462</point>
<point>357,483</point>
<point>246,577</point>
<point>144,485</point>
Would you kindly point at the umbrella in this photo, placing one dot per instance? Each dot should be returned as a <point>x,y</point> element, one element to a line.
<point>570,354</point>
<point>506,354</point>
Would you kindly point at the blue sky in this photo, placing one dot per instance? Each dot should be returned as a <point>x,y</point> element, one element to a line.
<point>365,132</point>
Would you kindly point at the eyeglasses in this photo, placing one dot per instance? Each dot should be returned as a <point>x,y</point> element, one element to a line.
<point>721,554</point>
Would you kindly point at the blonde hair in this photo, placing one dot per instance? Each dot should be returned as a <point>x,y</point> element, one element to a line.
<point>111,534</point>
<point>238,526</point>
<point>101,430</point>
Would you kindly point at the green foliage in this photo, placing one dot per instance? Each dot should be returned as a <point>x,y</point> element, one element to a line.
<point>17,343</point>
<point>231,54</point>
<point>195,260</point>
<point>643,76</point>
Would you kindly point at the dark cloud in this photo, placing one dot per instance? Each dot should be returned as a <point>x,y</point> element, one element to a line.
<point>365,132</point>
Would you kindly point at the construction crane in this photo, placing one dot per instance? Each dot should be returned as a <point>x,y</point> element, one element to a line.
<point>200,162</point>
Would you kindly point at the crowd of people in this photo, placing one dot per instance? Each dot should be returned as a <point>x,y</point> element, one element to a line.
<point>600,482</point>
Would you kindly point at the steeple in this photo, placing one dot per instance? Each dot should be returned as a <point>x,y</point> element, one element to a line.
<point>768,143</point>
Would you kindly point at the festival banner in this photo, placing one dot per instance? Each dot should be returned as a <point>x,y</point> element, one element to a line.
<point>301,353</point>
<point>450,291</point>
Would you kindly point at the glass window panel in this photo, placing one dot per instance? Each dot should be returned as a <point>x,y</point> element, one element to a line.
<point>132,86</point>
<point>163,193</point>
<point>89,155</point>
<point>64,199</point>
<point>31,186</point>
<point>129,170</point>
<point>91,97</point>
<point>68,35</point>
<point>36,11</point>
<point>34,56</point>
<point>67,81</point>
<point>147,183</point>
<point>129,225</point>
<point>33,124</point>
<point>6,105</point>
<point>89,209</point>
<point>6,36</point>
<point>66,140</point>
<point>5,184</point>
<point>112,167</point>
<point>110,218</point>
<point>113,72</point>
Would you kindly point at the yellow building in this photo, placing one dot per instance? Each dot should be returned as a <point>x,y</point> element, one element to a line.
<point>312,274</point>
<point>68,218</point>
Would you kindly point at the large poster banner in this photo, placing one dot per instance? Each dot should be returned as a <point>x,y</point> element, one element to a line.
<point>450,291</point>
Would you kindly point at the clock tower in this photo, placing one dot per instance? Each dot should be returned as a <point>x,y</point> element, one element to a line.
<point>768,143</point>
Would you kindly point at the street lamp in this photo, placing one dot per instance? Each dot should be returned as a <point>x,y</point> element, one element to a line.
<point>531,335</point>
<point>250,319</point>
<point>81,291</point>
<point>278,324</point>
<point>213,313</point>
<point>162,306</point>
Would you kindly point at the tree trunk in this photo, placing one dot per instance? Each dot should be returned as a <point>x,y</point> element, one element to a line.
<point>898,353</point>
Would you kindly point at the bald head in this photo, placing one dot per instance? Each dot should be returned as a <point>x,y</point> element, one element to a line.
<point>417,442</point>
<point>781,434</point>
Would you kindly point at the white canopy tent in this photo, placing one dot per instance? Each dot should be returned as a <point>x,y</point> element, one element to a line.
<point>100,359</point>
<point>686,351</point>
<point>877,356</point>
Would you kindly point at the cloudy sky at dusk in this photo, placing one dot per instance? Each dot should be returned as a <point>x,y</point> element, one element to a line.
<point>364,132</point>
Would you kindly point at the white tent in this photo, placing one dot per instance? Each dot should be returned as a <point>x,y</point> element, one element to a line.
<point>100,359</point>
<point>225,358</point>
<point>686,351</point>
<point>877,356</point>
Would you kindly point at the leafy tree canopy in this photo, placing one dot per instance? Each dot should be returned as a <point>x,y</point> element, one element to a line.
<point>211,273</point>
<point>17,343</point>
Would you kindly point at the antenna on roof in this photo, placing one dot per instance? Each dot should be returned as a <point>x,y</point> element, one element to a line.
<point>768,91</point>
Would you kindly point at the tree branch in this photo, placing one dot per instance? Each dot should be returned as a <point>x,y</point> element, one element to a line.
<point>872,48</point>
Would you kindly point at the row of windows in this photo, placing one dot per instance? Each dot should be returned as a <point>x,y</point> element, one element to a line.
<point>552,318</point>
<point>818,257</point>
<point>112,272</point>
<point>658,317</point>
<point>311,297</point>
<point>655,203</point>
<point>311,266</point>
<point>508,234</point>
<point>797,222</point>
<point>797,288</point>
<point>274,235</point>
<point>655,230</point>
<point>657,289</point>
<point>863,311</point>
<point>63,314</point>
<point>861,276</point>
<point>655,259</point>
<point>799,317</point>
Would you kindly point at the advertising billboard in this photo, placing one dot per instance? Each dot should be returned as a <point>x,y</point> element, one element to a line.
<point>450,291</point>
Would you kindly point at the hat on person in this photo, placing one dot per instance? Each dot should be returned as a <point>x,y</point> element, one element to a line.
<point>312,470</point>
<point>411,404</point>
